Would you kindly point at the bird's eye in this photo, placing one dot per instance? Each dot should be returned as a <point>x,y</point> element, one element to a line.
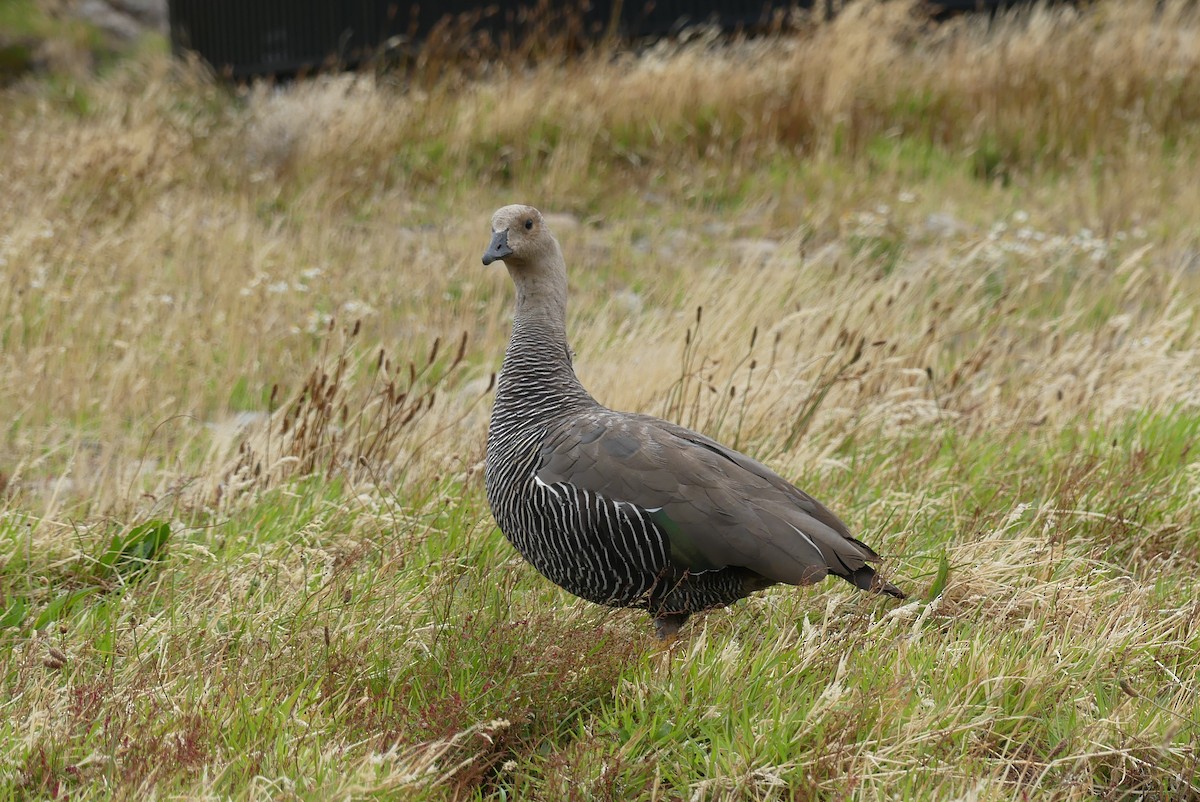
<point>528,224</point>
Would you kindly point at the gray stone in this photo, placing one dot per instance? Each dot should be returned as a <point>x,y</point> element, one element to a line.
<point>125,19</point>
<point>941,224</point>
<point>110,20</point>
<point>149,13</point>
<point>754,251</point>
<point>628,300</point>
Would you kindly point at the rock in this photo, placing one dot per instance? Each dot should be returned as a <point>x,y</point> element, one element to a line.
<point>125,19</point>
<point>112,21</point>
<point>151,14</point>
<point>941,224</point>
<point>628,300</point>
<point>238,423</point>
<point>1188,261</point>
<point>754,251</point>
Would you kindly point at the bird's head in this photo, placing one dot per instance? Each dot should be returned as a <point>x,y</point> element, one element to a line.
<point>519,237</point>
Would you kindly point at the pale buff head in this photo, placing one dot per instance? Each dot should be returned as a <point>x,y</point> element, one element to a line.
<point>535,262</point>
<point>520,238</point>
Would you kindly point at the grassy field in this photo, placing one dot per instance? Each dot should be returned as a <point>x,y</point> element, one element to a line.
<point>946,279</point>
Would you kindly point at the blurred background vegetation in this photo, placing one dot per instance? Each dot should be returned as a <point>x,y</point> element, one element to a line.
<point>943,276</point>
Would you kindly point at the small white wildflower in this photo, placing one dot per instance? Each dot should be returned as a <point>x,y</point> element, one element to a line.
<point>277,287</point>
<point>317,321</point>
<point>258,279</point>
<point>356,308</point>
<point>1019,248</point>
<point>906,197</point>
<point>310,273</point>
<point>1020,216</point>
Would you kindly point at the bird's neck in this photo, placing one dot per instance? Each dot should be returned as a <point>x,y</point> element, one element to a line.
<point>537,382</point>
<point>542,293</point>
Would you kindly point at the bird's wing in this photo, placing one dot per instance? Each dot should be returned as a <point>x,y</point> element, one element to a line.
<point>717,507</point>
<point>806,502</point>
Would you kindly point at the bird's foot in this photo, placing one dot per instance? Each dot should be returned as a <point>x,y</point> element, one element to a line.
<point>666,627</point>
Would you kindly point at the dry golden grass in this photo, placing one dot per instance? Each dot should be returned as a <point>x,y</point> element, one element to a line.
<point>948,280</point>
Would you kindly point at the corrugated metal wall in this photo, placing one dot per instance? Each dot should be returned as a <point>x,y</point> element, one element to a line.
<point>254,37</point>
<point>243,38</point>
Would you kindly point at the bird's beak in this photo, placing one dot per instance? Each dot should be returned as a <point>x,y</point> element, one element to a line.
<point>499,247</point>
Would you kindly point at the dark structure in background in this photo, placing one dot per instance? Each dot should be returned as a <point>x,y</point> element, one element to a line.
<point>247,38</point>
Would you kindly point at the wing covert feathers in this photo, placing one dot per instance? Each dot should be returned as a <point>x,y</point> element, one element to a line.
<point>718,507</point>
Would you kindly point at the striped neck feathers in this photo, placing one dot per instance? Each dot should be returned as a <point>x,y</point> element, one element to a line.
<point>538,361</point>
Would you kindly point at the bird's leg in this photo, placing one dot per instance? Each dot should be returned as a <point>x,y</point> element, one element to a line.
<point>667,626</point>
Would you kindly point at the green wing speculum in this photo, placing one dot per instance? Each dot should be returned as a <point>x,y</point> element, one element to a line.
<point>684,551</point>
